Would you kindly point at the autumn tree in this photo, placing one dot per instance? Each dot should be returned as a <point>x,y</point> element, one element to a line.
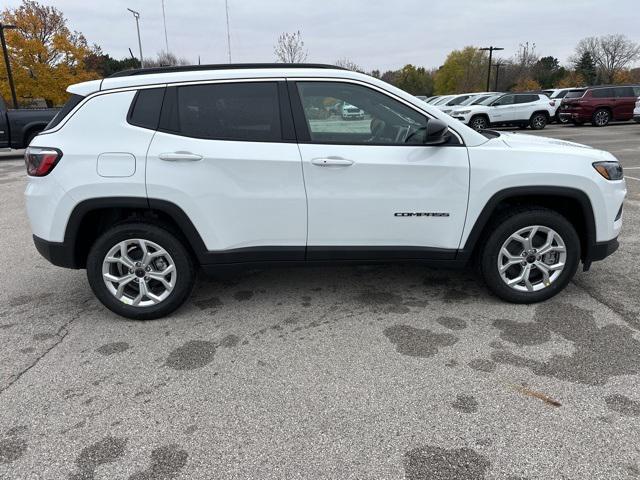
<point>610,53</point>
<point>547,71</point>
<point>586,68</point>
<point>348,64</point>
<point>463,71</point>
<point>526,85</point>
<point>290,48</point>
<point>46,57</point>
<point>414,80</point>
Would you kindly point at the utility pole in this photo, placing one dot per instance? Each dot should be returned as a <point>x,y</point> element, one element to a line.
<point>136,15</point>
<point>164,19</point>
<point>490,50</point>
<point>497,65</point>
<point>226,6</point>
<point>5,52</point>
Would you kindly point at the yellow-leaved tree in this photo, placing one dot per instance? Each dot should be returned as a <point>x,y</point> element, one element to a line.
<point>463,71</point>
<point>46,57</point>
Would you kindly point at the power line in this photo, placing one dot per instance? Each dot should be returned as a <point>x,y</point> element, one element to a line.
<point>164,19</point>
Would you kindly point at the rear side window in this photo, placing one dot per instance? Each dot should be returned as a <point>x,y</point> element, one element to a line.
<point>247,111</point>
<point>574,94</point>
<point>145,108</point>
<point>527,98</point>
<point>602,93</point>
<point>624,92</point>
<point>65,110</point>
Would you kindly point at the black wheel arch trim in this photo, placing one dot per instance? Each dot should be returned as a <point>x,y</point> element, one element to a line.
<point>474,237</point>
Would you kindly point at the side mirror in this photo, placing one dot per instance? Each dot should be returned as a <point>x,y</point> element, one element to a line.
<point>436,132</point>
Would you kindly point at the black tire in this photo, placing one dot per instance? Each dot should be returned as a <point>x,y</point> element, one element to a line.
<point>184,266</point>
<point>601,118</point>
<point>538,121</point>
<point>506,225</point>
<point>561,120</point>
<point>479,122</point>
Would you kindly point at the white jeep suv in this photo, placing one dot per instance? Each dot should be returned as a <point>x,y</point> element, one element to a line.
<point>519,109</point>
<point>148,175</point>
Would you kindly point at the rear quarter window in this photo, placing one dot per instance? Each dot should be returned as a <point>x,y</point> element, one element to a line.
<point>145,108</point>
<point>625,92</point>
<point>73,101</point>
<point>574,94</point>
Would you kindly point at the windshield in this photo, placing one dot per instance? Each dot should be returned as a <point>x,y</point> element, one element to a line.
<point>473,100</point>
<point>574,94</point>
<point>488,100</point>
<point>443,100</point>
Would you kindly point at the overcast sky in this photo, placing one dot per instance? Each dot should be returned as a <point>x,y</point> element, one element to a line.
<point>372,33</point>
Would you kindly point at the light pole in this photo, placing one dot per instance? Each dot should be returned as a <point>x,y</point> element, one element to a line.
<point>4,27</point>
<point>136,15</point>
<point>498,65</point>
<point>164,19</point>
<point>490,50</point>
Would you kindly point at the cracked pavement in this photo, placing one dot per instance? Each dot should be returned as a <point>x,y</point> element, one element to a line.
<point>377,372</point>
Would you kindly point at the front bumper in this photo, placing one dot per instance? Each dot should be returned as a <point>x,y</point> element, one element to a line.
<point>599,251</point>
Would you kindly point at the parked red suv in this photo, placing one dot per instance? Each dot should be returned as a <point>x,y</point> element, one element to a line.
<point>599,105</point>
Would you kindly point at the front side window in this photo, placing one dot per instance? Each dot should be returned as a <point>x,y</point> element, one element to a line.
<point>247,111</point>
<point>339,112</point>
<point>506,100</point>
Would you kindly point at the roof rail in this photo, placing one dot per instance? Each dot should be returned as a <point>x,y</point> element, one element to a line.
<point>220,66</point>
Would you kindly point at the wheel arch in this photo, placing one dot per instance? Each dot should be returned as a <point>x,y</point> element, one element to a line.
<point>92,217</point>
<point>571,202</point>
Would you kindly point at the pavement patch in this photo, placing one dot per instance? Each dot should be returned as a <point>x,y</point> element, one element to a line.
<point>522,333</point>
<point>623,405</point>
<point>436,463</point>
<point>193,354</point>
<point>418,342</point>
<point>465,403</point>
<point>113,348</point>
<point>452,323</point>
<point>107,450</point>
<point>166,463</point>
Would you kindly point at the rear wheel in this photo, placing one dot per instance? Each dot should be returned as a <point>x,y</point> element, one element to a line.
<point>530,255</point>
<point>538,121</point>
<point>140,271</point>
<point>601,118</point>
<point>479,123</point>
<point>561,119</point>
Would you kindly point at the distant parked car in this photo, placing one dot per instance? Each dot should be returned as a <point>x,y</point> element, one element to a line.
<point>599,105</point>
<point>433,99</point>
<point>556,95</point>
<point>19,126</point>
<point>456,100</point>
<point>520,109</point>
<point>351,112</point>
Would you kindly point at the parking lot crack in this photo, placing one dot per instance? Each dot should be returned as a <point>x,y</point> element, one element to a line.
<point>632,319</point>
<point>60,335</point>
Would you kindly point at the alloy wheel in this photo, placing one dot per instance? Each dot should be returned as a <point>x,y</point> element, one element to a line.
<point>601,118</point>
<point>479,124</point>
<point>139,272</point>
<point>532,258</point>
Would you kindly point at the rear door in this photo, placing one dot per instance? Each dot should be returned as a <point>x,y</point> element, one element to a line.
<point>374,189</point>
<point>525,105</point>
<point>225,153</point>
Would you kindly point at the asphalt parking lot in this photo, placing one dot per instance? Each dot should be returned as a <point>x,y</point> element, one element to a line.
<point>355,372</point>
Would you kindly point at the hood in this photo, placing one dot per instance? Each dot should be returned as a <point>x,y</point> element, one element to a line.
<point>516,140</point>
<point>469,107</point>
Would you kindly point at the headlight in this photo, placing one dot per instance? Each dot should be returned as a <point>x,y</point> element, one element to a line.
<point>609,170</point>
<point>461,112</point>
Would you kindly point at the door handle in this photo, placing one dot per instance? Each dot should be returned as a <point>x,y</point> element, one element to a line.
<point>180,157</point>
<point>332,162</point>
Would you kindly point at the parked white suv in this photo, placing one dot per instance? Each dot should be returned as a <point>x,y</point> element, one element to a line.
<point>519,109</point>
<point>151,174</point>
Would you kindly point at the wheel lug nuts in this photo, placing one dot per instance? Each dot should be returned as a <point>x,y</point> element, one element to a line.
<point>148,269</point>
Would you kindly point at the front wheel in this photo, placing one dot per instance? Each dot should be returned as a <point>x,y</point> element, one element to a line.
<point>530,255</point>
<point>140,271</point>
<point>479,123</point>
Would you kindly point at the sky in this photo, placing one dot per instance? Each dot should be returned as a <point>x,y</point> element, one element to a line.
<point>374,34</point>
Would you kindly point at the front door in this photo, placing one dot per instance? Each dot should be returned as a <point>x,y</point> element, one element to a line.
<point>373,188</point>
<point>503,110</point>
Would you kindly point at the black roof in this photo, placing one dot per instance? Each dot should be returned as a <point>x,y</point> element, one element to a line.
<point>220,66</point>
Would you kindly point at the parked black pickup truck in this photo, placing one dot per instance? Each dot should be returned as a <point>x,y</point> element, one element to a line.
<point>18,127</point>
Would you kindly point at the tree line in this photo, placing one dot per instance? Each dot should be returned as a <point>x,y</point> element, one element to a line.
<point>46,56</point>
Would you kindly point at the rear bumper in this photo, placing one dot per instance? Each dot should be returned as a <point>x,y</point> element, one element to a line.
<point>58,253</point>
<point>581,117</point>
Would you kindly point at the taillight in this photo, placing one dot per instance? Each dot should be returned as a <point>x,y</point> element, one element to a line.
<point>41,160</point>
